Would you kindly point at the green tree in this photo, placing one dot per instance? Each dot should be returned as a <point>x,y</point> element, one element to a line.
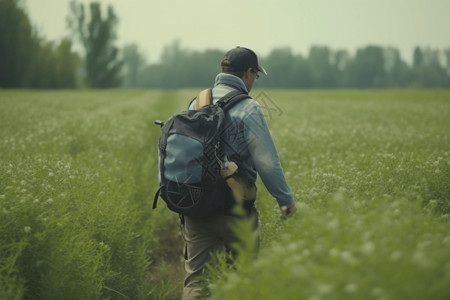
<point>133,64</point>
<point>280,62</point>
<point>322,72</point>
<point>429,72</point>
<point>151,76</point>
<point>447,60</point>
<point>44,67</point>
<point>176,66</point>
<point>180,68</point>
<point>417,57</point>
<point>283,68</point>
<point>66,62</point>
<point>54,65</point>
<point>367,69</point>
<point>97,35</point>
<point>28,61</point>
<point>341,60</point>
<point>17,45</point>
<point>301,72</point>
<point>447,66</point>
<point>398,74</point>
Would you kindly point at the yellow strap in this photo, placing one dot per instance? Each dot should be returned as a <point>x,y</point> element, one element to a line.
<point>202,99</point>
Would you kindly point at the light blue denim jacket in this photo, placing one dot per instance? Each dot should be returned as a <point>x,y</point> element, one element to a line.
<point>249,143</point>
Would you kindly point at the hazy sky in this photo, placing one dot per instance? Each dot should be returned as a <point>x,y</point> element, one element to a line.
<point>264,25</point>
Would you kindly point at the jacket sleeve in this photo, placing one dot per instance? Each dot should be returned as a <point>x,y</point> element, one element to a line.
<point>265,156</point>
<point>192,103</point>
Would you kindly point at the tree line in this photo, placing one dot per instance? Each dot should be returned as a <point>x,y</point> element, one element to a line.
<point>370,67</point>
<point>28,61</point>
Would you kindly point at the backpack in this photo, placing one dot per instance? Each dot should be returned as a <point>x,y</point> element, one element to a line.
<point>191,157</point>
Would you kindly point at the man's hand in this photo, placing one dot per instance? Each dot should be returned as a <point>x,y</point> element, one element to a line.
<point>287,212</point>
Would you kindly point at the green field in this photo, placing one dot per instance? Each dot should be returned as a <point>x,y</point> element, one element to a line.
<point>370,171</point>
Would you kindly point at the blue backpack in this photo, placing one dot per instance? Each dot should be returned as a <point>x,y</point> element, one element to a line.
<point>191,157</point>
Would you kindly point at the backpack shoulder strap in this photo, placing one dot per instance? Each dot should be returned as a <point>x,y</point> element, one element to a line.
<point>203,98</point>
<point>230,99</point>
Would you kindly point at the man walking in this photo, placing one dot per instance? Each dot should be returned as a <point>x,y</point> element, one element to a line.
<point>249,146</point>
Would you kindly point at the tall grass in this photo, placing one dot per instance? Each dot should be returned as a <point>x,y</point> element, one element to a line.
<point>369,171</point>
<point>77,181</point>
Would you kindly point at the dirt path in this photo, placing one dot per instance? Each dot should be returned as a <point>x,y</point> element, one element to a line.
<point>167,268</point>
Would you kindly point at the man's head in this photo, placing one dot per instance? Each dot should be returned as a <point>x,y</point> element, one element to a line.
<point>243,63</point>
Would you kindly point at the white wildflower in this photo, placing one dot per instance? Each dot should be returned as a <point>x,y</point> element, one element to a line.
<point>446,240</point>
<point>377,292</point>
<point>333,252</point>
<point>292,247</point>
<point>368,247</point>
<point>302,206</point>
<point>351,288</point>
<point>348,257</point>
<point>421,259</point>
<point>396,255</point>
<point>324,289</point>
<point>333,224</point>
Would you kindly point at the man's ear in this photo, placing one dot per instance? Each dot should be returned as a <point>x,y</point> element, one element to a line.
<point>247,72</point>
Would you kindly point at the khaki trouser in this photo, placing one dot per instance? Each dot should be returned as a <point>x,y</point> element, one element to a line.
<point>203,237</point>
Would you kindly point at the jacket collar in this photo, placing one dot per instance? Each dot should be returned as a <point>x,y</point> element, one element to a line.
<point>230,80</point>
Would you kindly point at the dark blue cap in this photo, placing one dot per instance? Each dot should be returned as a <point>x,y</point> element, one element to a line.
<point>241,59</point>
